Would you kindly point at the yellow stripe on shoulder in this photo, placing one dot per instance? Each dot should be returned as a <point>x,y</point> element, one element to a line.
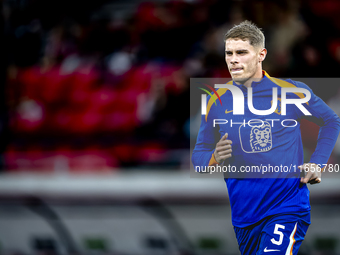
<point>285,84</point>
<point>220,92</point>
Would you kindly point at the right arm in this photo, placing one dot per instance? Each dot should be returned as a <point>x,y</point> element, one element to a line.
<point>207,152</point>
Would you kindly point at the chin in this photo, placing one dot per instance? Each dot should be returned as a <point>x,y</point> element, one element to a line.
<point>239,79</point>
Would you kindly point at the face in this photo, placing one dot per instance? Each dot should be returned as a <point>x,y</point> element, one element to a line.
<point>243,60</point>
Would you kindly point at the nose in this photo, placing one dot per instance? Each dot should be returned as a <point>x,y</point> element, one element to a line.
<point>233,59</point>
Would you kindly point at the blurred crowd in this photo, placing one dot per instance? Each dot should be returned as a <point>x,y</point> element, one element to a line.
<point>105,84</point>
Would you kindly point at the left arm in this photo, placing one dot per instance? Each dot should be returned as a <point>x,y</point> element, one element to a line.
<point>329,123</point>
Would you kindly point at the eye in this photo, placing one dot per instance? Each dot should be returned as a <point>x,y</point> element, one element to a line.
<point>241,52</point>
<point>228,53</point>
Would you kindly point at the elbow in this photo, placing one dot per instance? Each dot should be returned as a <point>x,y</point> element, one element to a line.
<point>337,122</point>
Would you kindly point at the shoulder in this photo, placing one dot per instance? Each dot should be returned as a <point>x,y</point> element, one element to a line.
<point>220,95</point>
<point>298,88</point>
<point>216,100</point>
<point>298,84</point>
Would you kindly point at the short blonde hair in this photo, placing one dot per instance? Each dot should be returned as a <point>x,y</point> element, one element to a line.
<point>247,31</point>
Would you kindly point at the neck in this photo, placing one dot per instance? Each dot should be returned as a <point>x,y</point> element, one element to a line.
<point>256,77</point>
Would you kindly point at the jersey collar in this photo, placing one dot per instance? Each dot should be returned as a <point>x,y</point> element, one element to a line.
<point>265,77</point>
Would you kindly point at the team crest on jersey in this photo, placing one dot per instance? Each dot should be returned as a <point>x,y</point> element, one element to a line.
<point>256,138</point>
<point>261,138</point>
<point>278,108</point>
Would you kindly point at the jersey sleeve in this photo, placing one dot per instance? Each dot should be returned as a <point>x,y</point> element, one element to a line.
<point>205,144</point>
<point>329,123</point>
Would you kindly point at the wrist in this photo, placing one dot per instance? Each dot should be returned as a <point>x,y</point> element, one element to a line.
<point>213,160</point>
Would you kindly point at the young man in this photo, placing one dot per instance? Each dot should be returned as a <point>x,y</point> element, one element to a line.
<point>270,215</point>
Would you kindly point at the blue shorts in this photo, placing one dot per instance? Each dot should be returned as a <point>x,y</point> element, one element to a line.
<point>276,234</point>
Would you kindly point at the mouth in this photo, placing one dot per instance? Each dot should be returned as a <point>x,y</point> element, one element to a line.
<point>236,70</point>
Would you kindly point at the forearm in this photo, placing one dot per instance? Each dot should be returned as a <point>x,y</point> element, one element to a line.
<point>203,158</point>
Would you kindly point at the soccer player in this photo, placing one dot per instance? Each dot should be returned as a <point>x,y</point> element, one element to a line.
<point>269,215</point>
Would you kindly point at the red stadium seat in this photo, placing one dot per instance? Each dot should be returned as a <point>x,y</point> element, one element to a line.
<point>29,117</point>
<point>30,83</point>
<point>104,100</point>
<point>152,152</point>
<point>119,121</point>
<point>54,86</point>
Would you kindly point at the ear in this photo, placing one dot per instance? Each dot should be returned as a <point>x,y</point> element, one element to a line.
<point>262,54</point>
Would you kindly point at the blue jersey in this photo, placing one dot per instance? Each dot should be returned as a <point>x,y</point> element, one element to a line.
<point>272,140</point>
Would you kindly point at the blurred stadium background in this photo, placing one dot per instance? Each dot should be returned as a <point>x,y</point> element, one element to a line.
<point>95,117</point>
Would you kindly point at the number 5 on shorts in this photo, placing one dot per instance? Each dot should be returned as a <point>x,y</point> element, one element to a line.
<point>278,232</point>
